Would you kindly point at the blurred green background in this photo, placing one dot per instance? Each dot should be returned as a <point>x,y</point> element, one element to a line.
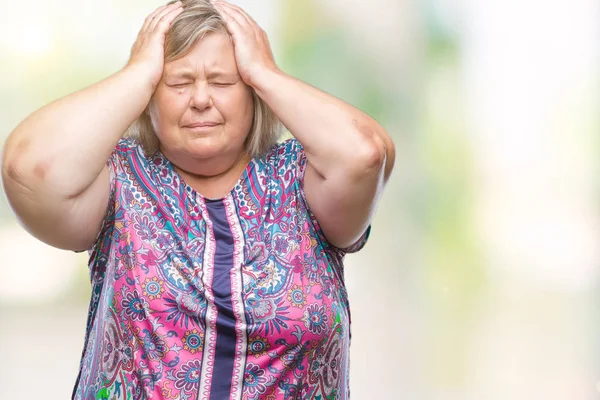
<point>480,280</point>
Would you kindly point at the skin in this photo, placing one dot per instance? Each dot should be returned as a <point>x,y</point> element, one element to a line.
<point>53,165</point>
<point>205,85</point>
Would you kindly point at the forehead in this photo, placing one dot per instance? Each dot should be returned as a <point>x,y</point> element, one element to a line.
<point>212,53</point>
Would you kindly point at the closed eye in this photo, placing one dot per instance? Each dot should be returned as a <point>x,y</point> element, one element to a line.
<point>222,84</point>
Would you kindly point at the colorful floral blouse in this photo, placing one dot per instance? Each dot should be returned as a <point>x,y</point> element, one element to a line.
<point>192,298</point>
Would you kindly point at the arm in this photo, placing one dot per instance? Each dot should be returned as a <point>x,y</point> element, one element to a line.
<point>54,163</point>
<point>350,156</point>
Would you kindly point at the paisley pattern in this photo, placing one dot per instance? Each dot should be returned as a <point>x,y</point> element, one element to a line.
<point>233,298</point>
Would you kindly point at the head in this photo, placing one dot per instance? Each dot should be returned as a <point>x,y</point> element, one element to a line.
<point>201,83</point>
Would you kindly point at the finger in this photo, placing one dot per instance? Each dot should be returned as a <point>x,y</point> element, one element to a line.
<point>242,18</point>
<point>235,22</point>
<point>160,10</point>
<point>238,13</point>
<point>150,17</point>
<point>233,26</point>
<point>157,18</point>
<point>165,22</point>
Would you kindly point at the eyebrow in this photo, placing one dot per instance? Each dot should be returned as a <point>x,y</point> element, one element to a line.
<point>188,73</point>
<point>184,73</point>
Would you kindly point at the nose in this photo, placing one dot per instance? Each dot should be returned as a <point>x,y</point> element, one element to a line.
<point>201,97</point>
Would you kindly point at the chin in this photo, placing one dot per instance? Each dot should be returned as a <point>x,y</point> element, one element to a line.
<point>207,148</point>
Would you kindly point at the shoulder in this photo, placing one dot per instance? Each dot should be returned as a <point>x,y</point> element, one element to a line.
<point>126,152</point>
<point>127,146</point>
<point>285,155</point>
<point>278,169</point>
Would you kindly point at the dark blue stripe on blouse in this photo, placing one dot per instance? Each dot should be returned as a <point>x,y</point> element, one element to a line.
<point>221,288</point>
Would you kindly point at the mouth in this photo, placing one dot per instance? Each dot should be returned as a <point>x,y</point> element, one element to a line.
<point>206,124</point>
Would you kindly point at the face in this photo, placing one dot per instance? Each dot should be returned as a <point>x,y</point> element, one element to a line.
<point>202,108</point>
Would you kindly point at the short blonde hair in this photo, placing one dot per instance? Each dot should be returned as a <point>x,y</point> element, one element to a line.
<point>198,19</point>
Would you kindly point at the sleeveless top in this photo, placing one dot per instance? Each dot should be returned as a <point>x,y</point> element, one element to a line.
<point>236,298</point>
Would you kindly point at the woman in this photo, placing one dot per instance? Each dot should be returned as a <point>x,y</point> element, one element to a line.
<point>215,253</point>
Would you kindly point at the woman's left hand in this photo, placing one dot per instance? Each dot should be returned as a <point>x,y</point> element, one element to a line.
<point>252,49</point>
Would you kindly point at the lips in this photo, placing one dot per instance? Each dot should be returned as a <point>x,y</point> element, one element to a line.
<point>205,124</point>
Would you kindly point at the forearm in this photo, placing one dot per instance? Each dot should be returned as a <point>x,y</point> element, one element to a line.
<point>65,145</point>
<point>332,132</point>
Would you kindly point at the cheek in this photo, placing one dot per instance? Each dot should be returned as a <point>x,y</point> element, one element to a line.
<point>237,108</point>
<point>171,108</point>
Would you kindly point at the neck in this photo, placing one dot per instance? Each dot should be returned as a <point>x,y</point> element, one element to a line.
<point>213,178</point>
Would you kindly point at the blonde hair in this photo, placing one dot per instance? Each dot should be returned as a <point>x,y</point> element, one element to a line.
<point>198,19</point>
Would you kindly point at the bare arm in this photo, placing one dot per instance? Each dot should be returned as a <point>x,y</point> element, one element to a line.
<point>350,156</point>
<point>54,163</point>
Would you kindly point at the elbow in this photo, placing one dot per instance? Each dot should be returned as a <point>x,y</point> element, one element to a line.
<point>14,182</point>
<point>9,165</point>
<point>371,153</point>
<point>19,170</point>
<point>14,168</point>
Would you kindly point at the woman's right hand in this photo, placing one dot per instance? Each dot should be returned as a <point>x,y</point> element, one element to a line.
<point>147,52</point>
